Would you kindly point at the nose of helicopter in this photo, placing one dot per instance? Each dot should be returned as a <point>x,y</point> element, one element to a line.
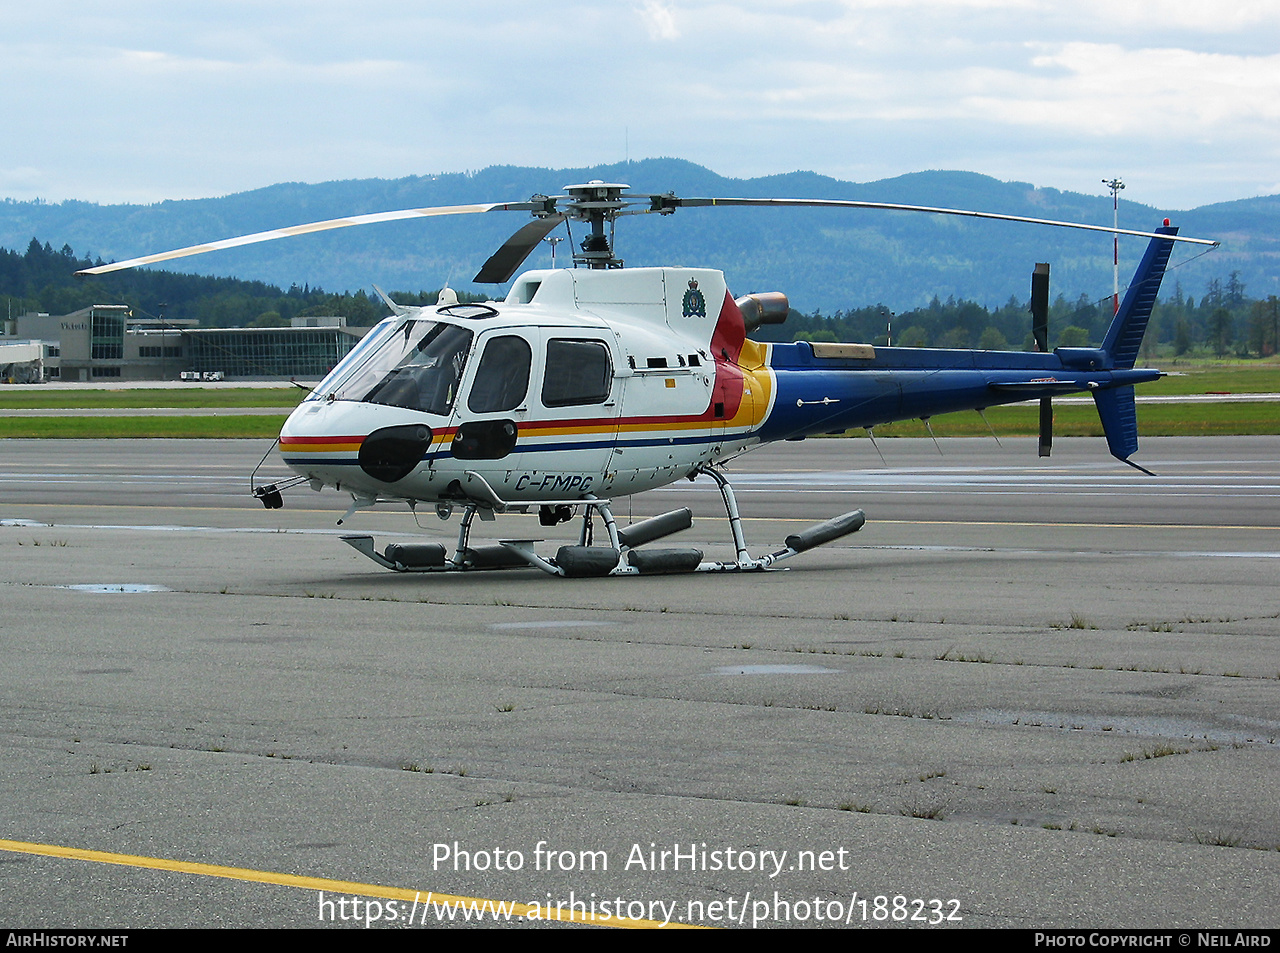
<point>317,443</point>
<point>338,442</point>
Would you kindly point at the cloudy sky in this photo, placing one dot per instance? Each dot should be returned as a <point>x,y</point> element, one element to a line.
<point>138,101</point>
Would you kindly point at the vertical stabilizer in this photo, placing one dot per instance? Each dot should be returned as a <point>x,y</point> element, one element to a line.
<point>1119,416</point>
<point>1124,337</point>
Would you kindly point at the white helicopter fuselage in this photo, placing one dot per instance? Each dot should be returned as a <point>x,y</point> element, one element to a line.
<point>579,383</point>
<point>589,384</point>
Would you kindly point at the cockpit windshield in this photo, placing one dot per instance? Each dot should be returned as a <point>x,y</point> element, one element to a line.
<point>418,367</point>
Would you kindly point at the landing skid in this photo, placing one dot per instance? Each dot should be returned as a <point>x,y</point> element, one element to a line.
<point>621,557</point>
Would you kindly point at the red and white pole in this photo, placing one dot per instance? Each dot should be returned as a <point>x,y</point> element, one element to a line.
<point>1115,185</point>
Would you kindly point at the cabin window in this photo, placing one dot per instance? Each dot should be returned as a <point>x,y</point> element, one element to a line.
<point>578,372</point>
<point>502,379</point>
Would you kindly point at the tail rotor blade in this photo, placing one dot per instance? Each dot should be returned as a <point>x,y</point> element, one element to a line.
<point>1040,306</point>
<point>1040,331</point>
<point>1046,426</point>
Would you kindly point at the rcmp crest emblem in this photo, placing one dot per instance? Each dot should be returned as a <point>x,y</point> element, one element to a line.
<point>694,304</point>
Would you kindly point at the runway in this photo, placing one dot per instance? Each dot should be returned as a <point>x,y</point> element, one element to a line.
<point>1041,693</point>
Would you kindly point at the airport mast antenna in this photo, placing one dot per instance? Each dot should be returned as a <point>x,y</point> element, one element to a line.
<point>1115,185</point>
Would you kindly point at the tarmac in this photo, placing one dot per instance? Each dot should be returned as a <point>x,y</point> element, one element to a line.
<point>1033,694</point>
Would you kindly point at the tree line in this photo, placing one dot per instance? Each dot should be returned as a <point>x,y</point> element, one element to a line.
<point>1225,321</point>
<point>43,279</point>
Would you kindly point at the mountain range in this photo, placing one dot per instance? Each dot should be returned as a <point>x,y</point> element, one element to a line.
<point>825,259</point>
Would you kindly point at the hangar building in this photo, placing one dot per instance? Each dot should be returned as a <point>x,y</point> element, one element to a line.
<point>105,342</point>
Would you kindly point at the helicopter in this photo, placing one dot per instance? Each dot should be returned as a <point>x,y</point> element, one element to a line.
<point>595,382</point>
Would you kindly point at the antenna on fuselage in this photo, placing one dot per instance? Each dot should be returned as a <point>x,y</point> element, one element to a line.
<point>928,425</point>
<point>872,434</point>
<point>982,412</point>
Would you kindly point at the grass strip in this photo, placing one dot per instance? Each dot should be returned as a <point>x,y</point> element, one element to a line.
<point>1231,380</point>
<point>17,399</point>
<point>117,427</point>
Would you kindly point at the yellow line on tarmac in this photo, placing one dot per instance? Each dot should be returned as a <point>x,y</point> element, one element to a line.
<point>475,905</point>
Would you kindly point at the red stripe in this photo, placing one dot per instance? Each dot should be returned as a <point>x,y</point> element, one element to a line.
<point>726,348</point>
<point>289,441</point>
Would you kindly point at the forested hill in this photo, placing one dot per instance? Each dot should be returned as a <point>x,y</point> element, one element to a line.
<point>823,258</point>
<point>42,279</point>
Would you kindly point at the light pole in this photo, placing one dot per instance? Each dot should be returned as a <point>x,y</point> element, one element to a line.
<point>888,321</point>
<point>164,357</point>
<point>1275,327</point>
<point>1115,185</point>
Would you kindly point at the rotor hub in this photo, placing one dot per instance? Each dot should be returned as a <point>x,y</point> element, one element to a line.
<point>596,203</point>
<point>595,199</point>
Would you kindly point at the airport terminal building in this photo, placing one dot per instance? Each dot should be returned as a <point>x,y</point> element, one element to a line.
<point>105,342</point>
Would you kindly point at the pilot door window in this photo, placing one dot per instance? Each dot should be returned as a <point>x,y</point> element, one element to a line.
<point>502,379</point>
<point>418,368</point>
<point>578,372</point>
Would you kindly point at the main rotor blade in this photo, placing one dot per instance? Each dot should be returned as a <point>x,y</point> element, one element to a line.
<point>307,229</point>
<point>662,202</point>
<point>503,263</point>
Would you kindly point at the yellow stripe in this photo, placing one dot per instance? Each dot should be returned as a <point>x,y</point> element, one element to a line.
<point>321,448</point>
<point>753,355</point>
<point>322,883</point>
<point>673,426</point>
<point>606,426</point>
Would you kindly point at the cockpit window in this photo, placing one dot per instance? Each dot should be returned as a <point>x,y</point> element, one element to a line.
<point>418,367</point>
<point>355,357</point>
<point>502,379</point>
